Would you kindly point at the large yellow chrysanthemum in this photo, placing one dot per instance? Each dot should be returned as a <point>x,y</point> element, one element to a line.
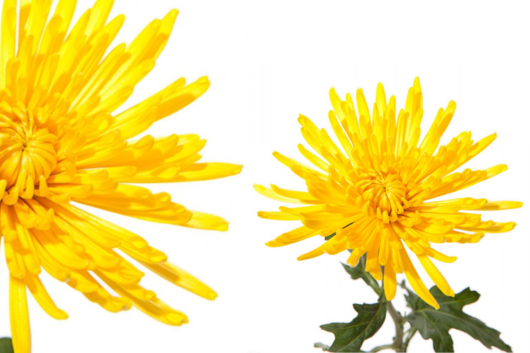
<point>61,143</point>
<point>373,194</point>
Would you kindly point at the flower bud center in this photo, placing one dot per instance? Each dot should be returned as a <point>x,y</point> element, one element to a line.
<point>386,192</point>
<point>27,151</point>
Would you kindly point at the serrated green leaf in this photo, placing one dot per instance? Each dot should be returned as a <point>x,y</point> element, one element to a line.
<point>349,337</point>
<point>6,346</point>
<point>360,272</point>
<point>435,324</point>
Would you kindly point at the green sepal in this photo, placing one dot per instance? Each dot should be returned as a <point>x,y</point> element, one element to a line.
<point>360,272</point>
<point>349,337</point>
<point>6,345</point>
<point>435,324</point>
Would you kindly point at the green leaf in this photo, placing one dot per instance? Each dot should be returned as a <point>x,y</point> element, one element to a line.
<point>360,272</point>
<point>324,347</point>
<point>6,346</point>
<point>435,324</point>
<point>349,337</point>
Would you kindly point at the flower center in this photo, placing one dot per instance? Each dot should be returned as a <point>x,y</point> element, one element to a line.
<point>385,192</point>
<point>27,151</point>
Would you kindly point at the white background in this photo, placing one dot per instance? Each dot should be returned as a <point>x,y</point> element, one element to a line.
<point>268,62</point>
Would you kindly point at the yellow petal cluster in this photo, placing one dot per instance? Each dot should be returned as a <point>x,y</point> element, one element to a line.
<point>62,143</point>
<point>374,190</point>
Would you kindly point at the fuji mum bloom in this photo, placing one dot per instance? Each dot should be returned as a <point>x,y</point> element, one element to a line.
<point>374,194</point>
<point>61,143</point>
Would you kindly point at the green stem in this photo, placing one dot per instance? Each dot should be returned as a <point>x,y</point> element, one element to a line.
<point>398,322</point>
<point>372,282</point>
<point>398,345</point>
<point>383,347</point>
<point>410,334</point>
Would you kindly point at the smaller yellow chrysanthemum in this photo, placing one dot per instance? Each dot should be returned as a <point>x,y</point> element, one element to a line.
<point>372,194</point>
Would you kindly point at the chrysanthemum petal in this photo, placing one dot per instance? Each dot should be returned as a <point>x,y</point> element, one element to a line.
<point>200,220</point>
<point>206,171</point>
<point>436,276</point>
<point>293,236</point>
<point>19,316</point>
<point>42,297</point>
<point>278,216</point>
<point>268,192</point>
<point>155,308</point>
<point>416,282</point>
<point>182,279</point>
<point>500,205</point>
<point>390,282</point>
<point>8,37</point>
<point>99,15</point>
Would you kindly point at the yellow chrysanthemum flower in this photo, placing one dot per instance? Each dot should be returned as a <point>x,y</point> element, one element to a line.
<point>61,143</point>
<point>373,194</point>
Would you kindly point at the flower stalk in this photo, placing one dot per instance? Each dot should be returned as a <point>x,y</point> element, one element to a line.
<point>398,322</point>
